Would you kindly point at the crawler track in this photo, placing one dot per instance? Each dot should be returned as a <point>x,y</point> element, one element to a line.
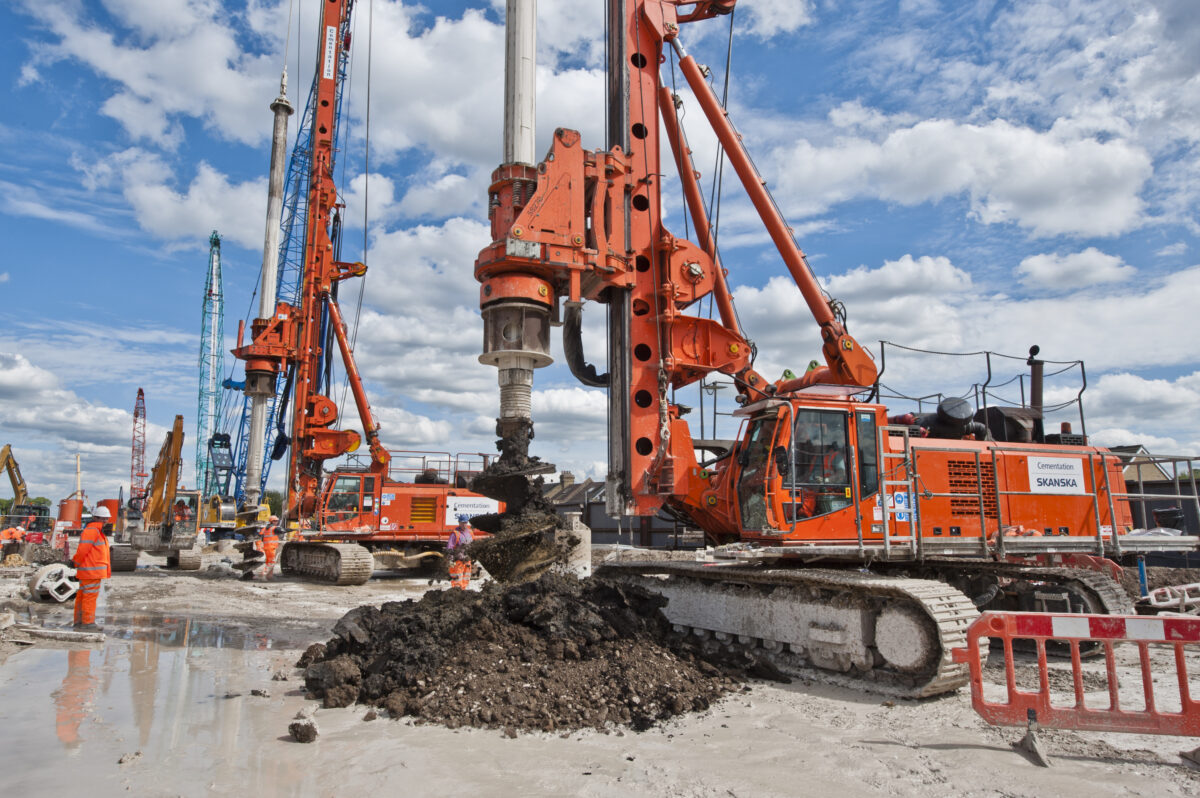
<point>332,563</point>
<point>123,557</point>
<point>887,634</point>
<point>1098,592</point>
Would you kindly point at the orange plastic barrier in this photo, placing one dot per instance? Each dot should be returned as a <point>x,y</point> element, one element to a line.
<point>1108,631</point>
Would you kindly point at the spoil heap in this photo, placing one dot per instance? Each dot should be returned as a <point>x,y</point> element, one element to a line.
<point>557,653</point>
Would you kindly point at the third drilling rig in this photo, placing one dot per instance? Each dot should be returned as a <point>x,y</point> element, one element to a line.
<point>336,520</point>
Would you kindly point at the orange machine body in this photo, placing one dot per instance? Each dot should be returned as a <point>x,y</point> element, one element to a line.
<point>592,229</point>
<point>399,508</point>
<point>859,480</point>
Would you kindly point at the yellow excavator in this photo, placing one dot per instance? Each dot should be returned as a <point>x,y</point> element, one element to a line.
<point>167,525</point>
<point>21,508</point>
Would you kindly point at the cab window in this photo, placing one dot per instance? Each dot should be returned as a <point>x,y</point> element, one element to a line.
<point>344,496</point>
<point>819,477</point>
<point>868,454</point>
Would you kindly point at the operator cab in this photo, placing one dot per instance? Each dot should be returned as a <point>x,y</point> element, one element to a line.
<point>350,501</point>
<point>801,462</point>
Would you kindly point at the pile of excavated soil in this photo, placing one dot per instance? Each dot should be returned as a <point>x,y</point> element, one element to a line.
<point>1157,577</point>
<point>554,654</point>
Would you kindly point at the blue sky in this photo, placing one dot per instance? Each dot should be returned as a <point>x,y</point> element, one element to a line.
<point>964,175</point>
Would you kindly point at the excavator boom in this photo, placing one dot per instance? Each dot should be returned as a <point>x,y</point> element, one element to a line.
<point>9,463</point>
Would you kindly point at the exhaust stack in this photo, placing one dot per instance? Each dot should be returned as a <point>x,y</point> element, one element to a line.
<point>260,382</point>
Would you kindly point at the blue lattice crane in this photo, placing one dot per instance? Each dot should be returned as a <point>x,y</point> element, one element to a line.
<point>212,365</point>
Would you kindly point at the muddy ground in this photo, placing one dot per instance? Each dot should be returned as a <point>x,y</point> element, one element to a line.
<point>166,707</point>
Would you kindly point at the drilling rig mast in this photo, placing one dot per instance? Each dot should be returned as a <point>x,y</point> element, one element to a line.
<point>137,467</point>
<point>212,364</point>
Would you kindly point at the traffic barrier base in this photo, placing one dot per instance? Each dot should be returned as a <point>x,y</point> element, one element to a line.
<point>1079,711</point>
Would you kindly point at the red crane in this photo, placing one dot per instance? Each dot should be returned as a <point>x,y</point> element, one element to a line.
<point>137,467</point>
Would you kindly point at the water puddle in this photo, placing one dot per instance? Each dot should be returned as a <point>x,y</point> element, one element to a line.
<point>175,688</point>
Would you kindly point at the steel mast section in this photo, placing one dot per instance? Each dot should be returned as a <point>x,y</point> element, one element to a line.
<point>212,362</point>
<point>137,467</point>
<point>593,230</point>
<point>262,389</point>
<point>293,338</point>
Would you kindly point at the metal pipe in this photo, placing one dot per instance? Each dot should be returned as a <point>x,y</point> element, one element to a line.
<point>520,65</point>
<point>370,427</point>
<point>756,189</point>
<point>695,202</point>
<point>260,390</point>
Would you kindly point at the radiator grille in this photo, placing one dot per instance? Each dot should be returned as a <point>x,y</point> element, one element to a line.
<point>966,479</point>
<point>424,510</point>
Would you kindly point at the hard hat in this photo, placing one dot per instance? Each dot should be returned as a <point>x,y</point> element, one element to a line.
<point>101,512</point>
<point>463,518</point>
<point>273,518</point>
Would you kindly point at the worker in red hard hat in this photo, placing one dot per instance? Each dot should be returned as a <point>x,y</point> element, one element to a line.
<point>456,550</point>
<point>268,544</point>
<point>91,564</point>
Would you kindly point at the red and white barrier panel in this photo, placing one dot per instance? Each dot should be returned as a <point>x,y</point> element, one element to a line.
<point>1177,634</point>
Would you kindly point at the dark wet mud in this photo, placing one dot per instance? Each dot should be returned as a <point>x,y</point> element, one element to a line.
<point>554,654</point>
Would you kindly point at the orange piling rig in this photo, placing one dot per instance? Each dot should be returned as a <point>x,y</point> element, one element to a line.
<point>341,517</point>
<point>947,518</point>
<point>292,338</point>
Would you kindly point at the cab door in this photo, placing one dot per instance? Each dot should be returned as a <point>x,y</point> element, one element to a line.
<point>755,472</point>
<point>817,475</point>
<point>343,503</point>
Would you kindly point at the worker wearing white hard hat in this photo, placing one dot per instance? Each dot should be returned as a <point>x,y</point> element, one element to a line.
<point>91,564</point>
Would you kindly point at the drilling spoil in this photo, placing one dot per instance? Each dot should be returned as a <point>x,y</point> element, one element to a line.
<point>555,654</point>
<point>522,544</point>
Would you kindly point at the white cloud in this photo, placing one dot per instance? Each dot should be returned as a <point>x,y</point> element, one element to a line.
<point>3,277</point>
<point>1172,250</point>
<point>53,423</point>
<point>18,202</point>
<point>1124,408</point>
<point>1077,270</point>
<point>448,194</point>
<point>183,59</point>
<point>769,18</point>
<point>929,303</point>
<point>211,201</point>
<point>1048,183</point>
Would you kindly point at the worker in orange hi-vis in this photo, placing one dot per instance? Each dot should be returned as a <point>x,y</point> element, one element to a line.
<point>456,550</point>
<point>10,539</point>
<point>91,566</point>
<point>268,545</point>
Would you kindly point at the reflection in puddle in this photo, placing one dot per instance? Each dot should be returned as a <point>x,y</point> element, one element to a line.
<point>174,688</point>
